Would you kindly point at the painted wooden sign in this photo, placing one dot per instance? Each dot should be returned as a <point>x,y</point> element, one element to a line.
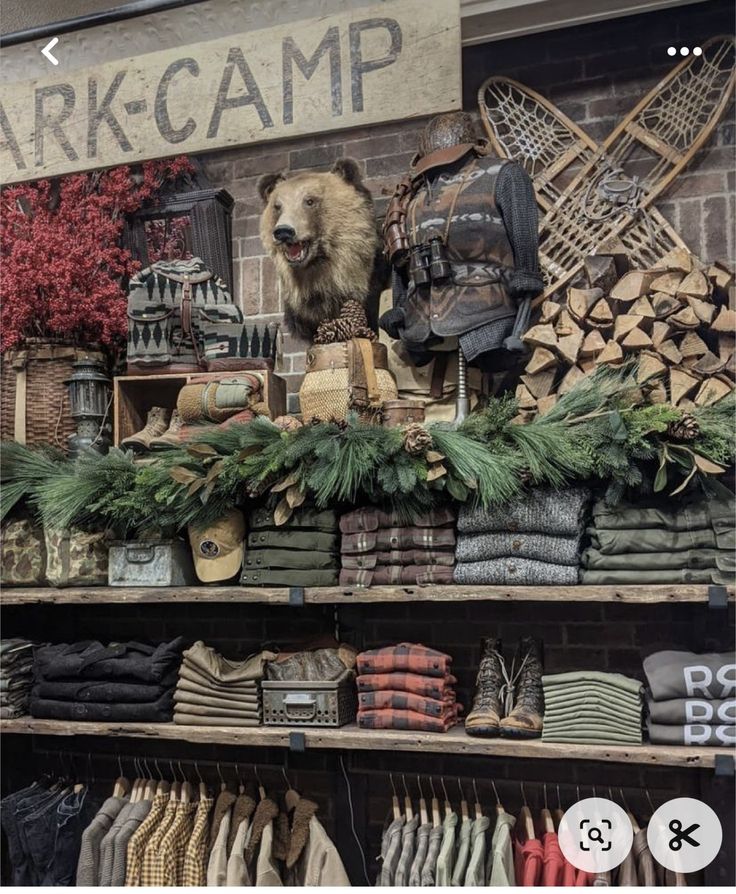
<point>400,59</point>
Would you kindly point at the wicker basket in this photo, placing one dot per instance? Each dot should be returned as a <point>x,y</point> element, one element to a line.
<point>34,399</point>
<point>345,376</point>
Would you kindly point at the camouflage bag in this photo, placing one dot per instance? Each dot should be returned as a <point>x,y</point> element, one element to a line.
<point>23,554</point>
<point>75,558</point>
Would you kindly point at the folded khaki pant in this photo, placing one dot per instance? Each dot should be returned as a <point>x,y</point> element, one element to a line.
<point>195,720</point>
<point>219,670</point>
<point>188,682</point>
<point>238,704</point>
<point>206,711</point>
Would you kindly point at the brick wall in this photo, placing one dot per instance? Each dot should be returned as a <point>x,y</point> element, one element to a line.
<point>595,74</point>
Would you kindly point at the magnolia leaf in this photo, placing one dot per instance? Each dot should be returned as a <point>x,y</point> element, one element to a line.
<point>214,471</point>
<point>295,497</point>
<point>471,483</point>
<point>282,513</point>
<point>195,486</point>
<point>618,429</point>
<point>182,475</point>
<point>285,483</point>
<point>660,482</point>
<point>457,489</point>
<point>248,451</point>
<point>685,483</point>
<point>435,472</point>
<point>434,457</point>
<point>707,465</point>
<point>207,492</point>
<point>201,450</point>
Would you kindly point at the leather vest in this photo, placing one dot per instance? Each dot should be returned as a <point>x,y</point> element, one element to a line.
<point>478,247</point>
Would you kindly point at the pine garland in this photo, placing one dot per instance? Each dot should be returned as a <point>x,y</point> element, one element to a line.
<point>598,431</point>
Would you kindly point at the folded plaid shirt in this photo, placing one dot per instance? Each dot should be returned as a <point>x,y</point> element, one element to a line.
<point>398,538</point>
<point>396,574</point>
<point>412,657</point>
<point>388,718</point>
<point>430,687</point>
<point>407,701</point>
<point>371,519</point>
<point>400,557</point>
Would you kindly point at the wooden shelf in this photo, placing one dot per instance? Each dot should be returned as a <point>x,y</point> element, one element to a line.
<point>633,595</point>
<point>353,739</point>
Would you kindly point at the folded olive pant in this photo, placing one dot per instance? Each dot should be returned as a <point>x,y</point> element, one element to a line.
<point>196,720</point>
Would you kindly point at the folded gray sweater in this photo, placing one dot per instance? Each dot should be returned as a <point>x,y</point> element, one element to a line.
<point>522,572</point>
<point>496,545</point>
<point>541,511</point>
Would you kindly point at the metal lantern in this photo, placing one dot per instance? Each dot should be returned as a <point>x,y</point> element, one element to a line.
<point>90,391</point>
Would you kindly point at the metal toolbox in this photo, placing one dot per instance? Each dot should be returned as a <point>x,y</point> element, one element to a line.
<point>163,563</point>
<point>310,703</point>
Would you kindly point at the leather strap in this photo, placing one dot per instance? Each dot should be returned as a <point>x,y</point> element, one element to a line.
<point>187,277</point>
<point>335,356</point>
<point>438,375</point>
<point>362,348</point>
<point>443,157</point>
<point>19,422</point>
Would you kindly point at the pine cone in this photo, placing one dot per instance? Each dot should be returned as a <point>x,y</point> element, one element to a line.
<point>686,428</point>
<point>417,439</point>
<point>352,323</point>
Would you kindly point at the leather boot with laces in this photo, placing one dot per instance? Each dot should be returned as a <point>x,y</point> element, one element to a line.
<point>157,422</point>
<point>525,717</point>
<point>486,713</point>
<point>172,436</point>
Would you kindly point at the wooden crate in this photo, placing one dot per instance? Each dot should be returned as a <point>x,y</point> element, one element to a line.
<point>134,396</point>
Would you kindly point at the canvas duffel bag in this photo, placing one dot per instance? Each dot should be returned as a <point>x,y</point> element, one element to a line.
<point>75,558</point>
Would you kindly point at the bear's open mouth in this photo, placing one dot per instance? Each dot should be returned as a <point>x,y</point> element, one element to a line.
<point>296,252</point>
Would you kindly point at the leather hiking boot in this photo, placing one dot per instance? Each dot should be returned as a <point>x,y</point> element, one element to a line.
<point>157,422</point>
<point>524,720</point>
<point>172,436</point>
<point>484,717</point>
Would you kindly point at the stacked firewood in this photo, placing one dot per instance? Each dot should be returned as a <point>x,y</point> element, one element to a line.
<point>678,319</point>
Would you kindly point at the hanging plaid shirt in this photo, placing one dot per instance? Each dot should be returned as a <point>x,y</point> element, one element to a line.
<point>412,657</point>
<point>398,538</point>
<point>371,519</point>
<point>169,860</point>
<point>431,687</point>
<point>406,701</point>
<point>194,874</point>
<point>139,839</point>
<point>152,875</point>
<point>390,718</point>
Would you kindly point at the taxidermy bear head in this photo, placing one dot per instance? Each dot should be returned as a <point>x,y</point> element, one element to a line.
<point>320,229</point>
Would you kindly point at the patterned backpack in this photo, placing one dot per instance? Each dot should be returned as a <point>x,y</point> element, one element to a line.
<point>181,319</point>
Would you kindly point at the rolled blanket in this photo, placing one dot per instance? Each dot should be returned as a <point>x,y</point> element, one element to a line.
<point>510,570</point>
<point>217,401</point>
<point>543,511</point>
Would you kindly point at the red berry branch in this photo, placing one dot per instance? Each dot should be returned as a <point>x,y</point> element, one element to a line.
<point>63,265</point>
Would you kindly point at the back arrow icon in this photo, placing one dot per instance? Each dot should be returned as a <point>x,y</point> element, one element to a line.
<point>47,51</point>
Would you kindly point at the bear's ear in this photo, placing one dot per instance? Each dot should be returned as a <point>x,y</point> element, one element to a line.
<point>348,169</point>
<point>267,184</point>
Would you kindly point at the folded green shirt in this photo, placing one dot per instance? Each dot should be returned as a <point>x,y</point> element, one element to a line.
<point>318,540</point>
<point>699,559</point>
<point>657,541</point>
<point>616,681</point>
<point>665,576</point>
<point>295,559</point>
<point>679,517</point>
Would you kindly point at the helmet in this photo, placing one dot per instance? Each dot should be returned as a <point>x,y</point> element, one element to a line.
<point>444,131</point>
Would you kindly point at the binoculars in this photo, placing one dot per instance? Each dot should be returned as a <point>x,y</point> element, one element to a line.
<point>428,262</point>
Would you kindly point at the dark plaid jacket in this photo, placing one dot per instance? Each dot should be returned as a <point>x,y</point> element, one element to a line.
<point>396,574</point>
<point>412,657</point>
<point>400,557</point>
<point>371,519</point>
<point>406,701</point>
<point>431,687</point>
<point>389,718</point>
<point>398,538</point>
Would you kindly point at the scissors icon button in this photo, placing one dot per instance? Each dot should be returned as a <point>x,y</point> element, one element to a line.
<point>680,835</point>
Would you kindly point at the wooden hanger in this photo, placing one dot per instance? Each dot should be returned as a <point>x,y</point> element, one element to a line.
<point>436,821</point>
<point>408,809</point>
<point>525,816</point>
<point>149,790</point>
<point>448,806</point>
<point>464,812</point>
<point>395,807</point>
<point>548,824</point>
<point>261,789</point>
<point>203,793</point>
<point>477,807</point>
<point>499,805</point>
<point>632,819</point>
<point>559,812</point>
<point>292,797</point>
<point>423,815</point>
<point>162,786</point>
<point>121,787</point>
